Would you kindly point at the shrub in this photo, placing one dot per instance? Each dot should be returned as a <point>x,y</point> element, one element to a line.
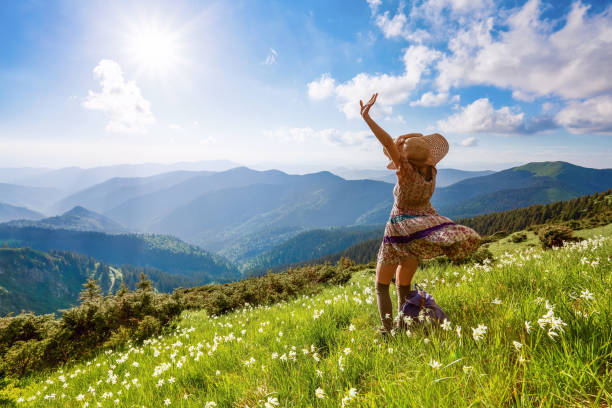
<point>554,235</point>
<point>518,237</point>
<point>477,256</point>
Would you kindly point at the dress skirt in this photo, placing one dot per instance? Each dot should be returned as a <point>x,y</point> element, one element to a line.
<point>423,234</point>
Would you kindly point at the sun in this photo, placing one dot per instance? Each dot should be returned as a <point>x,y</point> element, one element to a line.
<point>156,49</point>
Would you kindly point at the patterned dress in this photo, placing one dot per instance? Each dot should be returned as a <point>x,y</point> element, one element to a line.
<point>414,229</point>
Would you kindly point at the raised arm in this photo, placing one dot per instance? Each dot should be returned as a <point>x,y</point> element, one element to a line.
<point>379,132</point>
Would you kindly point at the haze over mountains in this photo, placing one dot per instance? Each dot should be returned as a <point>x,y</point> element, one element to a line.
<point>241,213</point>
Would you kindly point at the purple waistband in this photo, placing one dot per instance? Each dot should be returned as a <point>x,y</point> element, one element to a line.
<point>403,239</point>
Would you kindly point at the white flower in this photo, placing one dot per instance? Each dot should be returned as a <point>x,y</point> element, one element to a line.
<point>527,326</point>
<point>272,402</point>
<point>390,350</point>
<point>80,397</point>
<point>319,373</point>
<point>467,369</point>
<point>446,325</point>
<point>320,393</point>
<point>517,345</point>
<point>210,404</point>
<point>586,295</point>
<point>435,364</point>
<point>347,351</point>
<point>351,327</point>
<point>167,401</point>
<point>458,330</point>
<point>479,332</point>
<point>218,372</point>
<point>496,301</point>
<point>521,359</point>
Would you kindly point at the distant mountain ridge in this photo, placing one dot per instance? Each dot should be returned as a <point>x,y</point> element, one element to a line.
<point>533,183</point>
<point>12,212</point>
<point>77,219</point>
<point>445,177</point>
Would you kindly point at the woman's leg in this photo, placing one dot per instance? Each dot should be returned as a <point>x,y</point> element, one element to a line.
<point>384,274</point>
<point>403,279</point>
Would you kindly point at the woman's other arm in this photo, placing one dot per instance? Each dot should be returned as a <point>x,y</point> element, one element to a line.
<point>379,132</point>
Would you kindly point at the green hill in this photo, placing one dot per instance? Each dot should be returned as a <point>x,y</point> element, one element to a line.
<point>533,183</point>
<point>163,252</point>
<point>530,329</point>
<point>43,282</point>
<point>309,245</point>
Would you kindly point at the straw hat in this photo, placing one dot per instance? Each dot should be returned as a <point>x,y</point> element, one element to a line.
<point>420,150</point>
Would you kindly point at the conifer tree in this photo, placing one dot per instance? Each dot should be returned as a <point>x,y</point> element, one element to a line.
<point>91,290</point>
<point>144,284</point>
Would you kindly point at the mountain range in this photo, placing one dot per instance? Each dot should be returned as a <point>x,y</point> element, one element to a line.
<point>241,213</point>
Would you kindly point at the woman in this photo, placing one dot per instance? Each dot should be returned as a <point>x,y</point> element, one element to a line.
<point>414,230</point>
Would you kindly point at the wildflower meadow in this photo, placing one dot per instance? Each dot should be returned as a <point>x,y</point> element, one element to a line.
<point>532,328</point>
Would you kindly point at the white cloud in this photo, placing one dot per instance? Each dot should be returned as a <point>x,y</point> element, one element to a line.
<point>175,127</point>
<point>470,141</point>
<point>400,26</point>
<point>127,110</point>
<point>271,58</point>
<point>480,116</point>
<point>431,99</point>
<point>321,88</point>
<point>392,27</point>
<point>592,115</point>
<point>531,58</point>
<point>392,89</point>
<point>330,135</point>
<point>374,4</point>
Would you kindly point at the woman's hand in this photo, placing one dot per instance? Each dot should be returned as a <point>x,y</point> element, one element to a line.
<point>365,109</point>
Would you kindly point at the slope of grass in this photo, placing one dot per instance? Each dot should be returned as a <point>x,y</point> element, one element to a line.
<point>545,322</point>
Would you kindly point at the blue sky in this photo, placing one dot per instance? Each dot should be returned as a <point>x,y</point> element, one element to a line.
<point>278,83</point>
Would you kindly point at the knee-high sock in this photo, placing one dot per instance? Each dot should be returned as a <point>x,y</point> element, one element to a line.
<point>385,308</point>
<point>402,293</point>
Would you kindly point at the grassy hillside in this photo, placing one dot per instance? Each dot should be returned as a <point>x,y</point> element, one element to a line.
<point>532,329</point>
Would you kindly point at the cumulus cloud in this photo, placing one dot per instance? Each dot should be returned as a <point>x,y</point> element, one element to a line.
<point>592,115</point>
<point>330,135</point>
<point>470,141</point>
<point>432,99</point>
<point>271,58</point>
<point>128,111</point>
<point>480,116</point>
<point>530,57</point>
<point>322,88</point>
<point>392,89</point>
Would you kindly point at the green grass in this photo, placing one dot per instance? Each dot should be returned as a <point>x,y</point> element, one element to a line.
<point>230,359</point>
